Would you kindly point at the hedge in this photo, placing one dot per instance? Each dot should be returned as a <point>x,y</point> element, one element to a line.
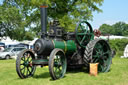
<point>118,44</point>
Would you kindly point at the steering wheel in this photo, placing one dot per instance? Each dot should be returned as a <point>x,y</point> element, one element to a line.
<point>83,33</point>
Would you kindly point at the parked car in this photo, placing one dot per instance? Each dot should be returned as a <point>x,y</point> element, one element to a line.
<point>10,52</point>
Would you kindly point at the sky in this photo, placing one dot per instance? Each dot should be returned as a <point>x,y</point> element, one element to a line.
<point>113,11</point>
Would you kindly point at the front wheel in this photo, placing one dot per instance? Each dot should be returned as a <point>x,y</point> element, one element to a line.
<point>24,65</point>
<point>57,64</point>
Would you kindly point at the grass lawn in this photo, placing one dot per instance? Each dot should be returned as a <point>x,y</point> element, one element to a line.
<point>118,75</point>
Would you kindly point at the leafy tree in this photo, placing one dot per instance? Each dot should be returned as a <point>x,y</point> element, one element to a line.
<point>119,28</point>
<point>68,12</point>
<point>12,23</point>
<point>125,30</point>
<point>10,19</point>
<point>106,29</point>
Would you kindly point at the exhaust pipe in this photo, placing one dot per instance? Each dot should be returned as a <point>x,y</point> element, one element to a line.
<point>43,10</point>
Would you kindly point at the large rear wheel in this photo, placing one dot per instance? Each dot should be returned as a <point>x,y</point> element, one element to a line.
<point>98,51</point>
<point>57,64</point>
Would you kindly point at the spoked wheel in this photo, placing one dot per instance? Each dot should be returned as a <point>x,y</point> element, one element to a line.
<point>24,65</point>
<point>57,64</point>
<point>98,51</point>
<point>84,33</point>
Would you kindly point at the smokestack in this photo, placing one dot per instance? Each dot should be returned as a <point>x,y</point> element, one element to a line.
<point>43,10</point>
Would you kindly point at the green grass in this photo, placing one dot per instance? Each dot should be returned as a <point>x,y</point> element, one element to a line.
<point>118,75</point>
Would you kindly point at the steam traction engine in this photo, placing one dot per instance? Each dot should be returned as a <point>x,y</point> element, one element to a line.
<point>61,50</point>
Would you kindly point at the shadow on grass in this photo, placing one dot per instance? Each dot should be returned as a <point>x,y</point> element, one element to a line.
<point>2,59</point>
<point>42,75</point>
<point>77,70</point>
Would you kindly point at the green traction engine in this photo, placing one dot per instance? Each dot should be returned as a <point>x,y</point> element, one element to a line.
<point>60,50</point>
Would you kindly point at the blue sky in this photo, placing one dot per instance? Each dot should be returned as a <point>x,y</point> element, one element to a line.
<point>113,11</point>
<point>1,1</point>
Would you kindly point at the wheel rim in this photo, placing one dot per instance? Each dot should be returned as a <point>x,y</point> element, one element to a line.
<point>84,33</point>
<point>102,55</point>
<point>58,66</point>
<point>24,65</point>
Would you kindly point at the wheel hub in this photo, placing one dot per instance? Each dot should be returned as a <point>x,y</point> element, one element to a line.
<point>26,63</point>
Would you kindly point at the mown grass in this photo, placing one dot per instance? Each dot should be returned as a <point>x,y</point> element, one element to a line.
<point>118,75</point>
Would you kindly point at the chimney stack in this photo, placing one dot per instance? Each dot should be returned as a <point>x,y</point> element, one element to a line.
<point>43,10</point>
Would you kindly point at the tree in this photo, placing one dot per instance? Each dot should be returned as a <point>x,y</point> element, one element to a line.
<point>68,12</point>
<point>125,30</point>
<point>12,23</point>
<point>106,29</point>
<point>119,28</point>
<point>9,20</point>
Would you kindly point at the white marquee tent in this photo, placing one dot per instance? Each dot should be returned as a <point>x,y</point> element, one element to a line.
<point>125,52</point>
<point>8,41</point>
